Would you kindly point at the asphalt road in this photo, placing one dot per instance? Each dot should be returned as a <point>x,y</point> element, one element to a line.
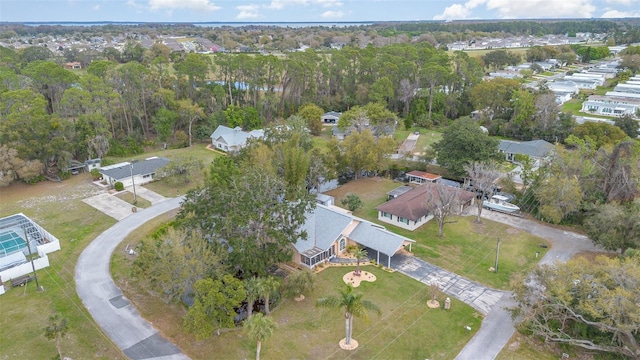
<point>497,327</point>
<point>110,309</point>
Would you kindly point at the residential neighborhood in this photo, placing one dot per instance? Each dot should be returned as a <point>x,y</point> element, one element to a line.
<point>173,191</point>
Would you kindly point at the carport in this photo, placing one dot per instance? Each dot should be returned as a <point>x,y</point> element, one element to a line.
<point>375,237</point>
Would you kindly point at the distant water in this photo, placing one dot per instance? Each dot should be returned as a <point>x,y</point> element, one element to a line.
<point>201,24</point>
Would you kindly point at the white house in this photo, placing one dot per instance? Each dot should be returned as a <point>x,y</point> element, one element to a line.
<point>128,173</point>
<point>232,140</point>
<point>535,149</point>
<point>330,117</point>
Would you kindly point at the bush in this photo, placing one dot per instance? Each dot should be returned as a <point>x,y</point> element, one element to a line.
<point>118,186</point>
<point>95,174</point>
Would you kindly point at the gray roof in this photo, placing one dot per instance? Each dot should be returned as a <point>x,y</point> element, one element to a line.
<point>331,114</point>
<point>400,190</point>
<point>235,136</point>
<point>144,167</point>
<point>534,148</point>
<point>323,227</point>
<point>378,238</point>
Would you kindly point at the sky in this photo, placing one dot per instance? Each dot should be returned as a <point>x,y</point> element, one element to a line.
<point>308,10</point>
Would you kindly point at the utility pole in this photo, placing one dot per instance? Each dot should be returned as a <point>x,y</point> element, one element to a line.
<point>497,253</point>
<point>33,266</point>
<point>135,200</point>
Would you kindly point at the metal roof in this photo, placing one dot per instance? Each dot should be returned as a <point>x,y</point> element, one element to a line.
<point>144,167</point>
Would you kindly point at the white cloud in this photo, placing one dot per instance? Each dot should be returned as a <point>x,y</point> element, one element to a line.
<point>95,7</point>
<point>522,9</point>
<point>248,12</point>
<point>510,9</point>
<point>134,4</point>
<point>459,11</point>
<point>332,14</point>
<point>328,3</point>
<point>621,2</point>
<point>280,4</point>
<point>199,5</point>
<point>620,14</point>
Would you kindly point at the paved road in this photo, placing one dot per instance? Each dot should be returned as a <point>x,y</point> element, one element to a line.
<point>497,327</point>
<point>111,310</point>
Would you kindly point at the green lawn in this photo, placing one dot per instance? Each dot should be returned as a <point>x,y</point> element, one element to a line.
<point>467,248</point>
<point>406,328</point>
<point>58,208</point>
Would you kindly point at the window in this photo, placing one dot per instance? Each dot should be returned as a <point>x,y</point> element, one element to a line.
<point>386,214</point>
<point>343,244</point>
<point>403,220</point>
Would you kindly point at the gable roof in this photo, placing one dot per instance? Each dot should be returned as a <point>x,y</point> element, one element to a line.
<point>144,167</point>
<point>331,115</point>
<point>412,205</point>
<point>235,136</point>
<point>534,148</point>
<point>324,225</point>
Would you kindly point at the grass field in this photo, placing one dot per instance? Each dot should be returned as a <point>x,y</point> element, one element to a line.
<point>467,248</point>
<point>58,208</point>
<point>406,329</point>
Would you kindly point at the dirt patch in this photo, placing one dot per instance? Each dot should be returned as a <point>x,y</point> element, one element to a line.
<point>355,280</point>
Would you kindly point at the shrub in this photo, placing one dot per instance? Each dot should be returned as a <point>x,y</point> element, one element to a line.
<point>95,174</point>
<point>118,186</point>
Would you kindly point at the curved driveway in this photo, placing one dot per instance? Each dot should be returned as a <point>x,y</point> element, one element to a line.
<point>110,309</point>
<point>497,327</point>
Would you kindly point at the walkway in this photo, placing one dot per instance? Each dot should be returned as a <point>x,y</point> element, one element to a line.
<point>479,297</point>
<point>147,194</point>
<point>110,309</point>
<point>497,327</point>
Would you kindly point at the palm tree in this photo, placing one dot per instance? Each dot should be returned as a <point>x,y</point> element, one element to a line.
<point>268,286</point>
<point>359,253</point>
<point>259,327</point>
<point>251,285</point>
<point>299,282</point>
<point>56,330</point>
<point>352,304</point>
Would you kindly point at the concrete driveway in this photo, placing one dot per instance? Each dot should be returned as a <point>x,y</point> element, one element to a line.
<point>110,205</point>
<point>479,297</point>
<point>110,309</point>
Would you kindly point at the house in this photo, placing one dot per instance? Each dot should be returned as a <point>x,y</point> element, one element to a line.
<point>398,191</point>
<point>330,117</point>
<point>135,172</point>
<point>409,210</point>
<point>421,177</point>
<point>535,149</point>
<point>330,230</point>
<point>93,164</point>
<point>232,140</point>
<point>22,240</point>
<point>73,65</point>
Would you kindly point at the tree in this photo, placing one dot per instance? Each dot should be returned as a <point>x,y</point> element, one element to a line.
<point>599,133</point>
<point>463,142</point>
<point>191,112</point>
<point>628,124</point>
<point>268,286</point>
<point>353,306</point>
<point>312,114</point>
<point>442,201</point>
<point>484,176</point>
<point>248,211</point>
<point>614,226</point>
<point>619,171</point>
<point>587,304</point>
<point>259,328</point>
<point>352,202</point>
<point>176,259</point>
<point>493,97</point>
<point>358,253</point>
<point>252,286</point>
<point>51,80</point>
<point>361,152</point>
<point>214,305</point>
<point>559,196</point>
<point>299,282</point>
<point>164,123</point>
<point>56,329</point>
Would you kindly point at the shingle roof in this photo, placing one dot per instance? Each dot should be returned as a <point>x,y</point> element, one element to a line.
<point>331,114</point>
<point>534,148</point>
<point>144,167</point>
<point>378,238</point>
<point>412,205</point>
<point>323,227</point>
<point>235,136</point>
